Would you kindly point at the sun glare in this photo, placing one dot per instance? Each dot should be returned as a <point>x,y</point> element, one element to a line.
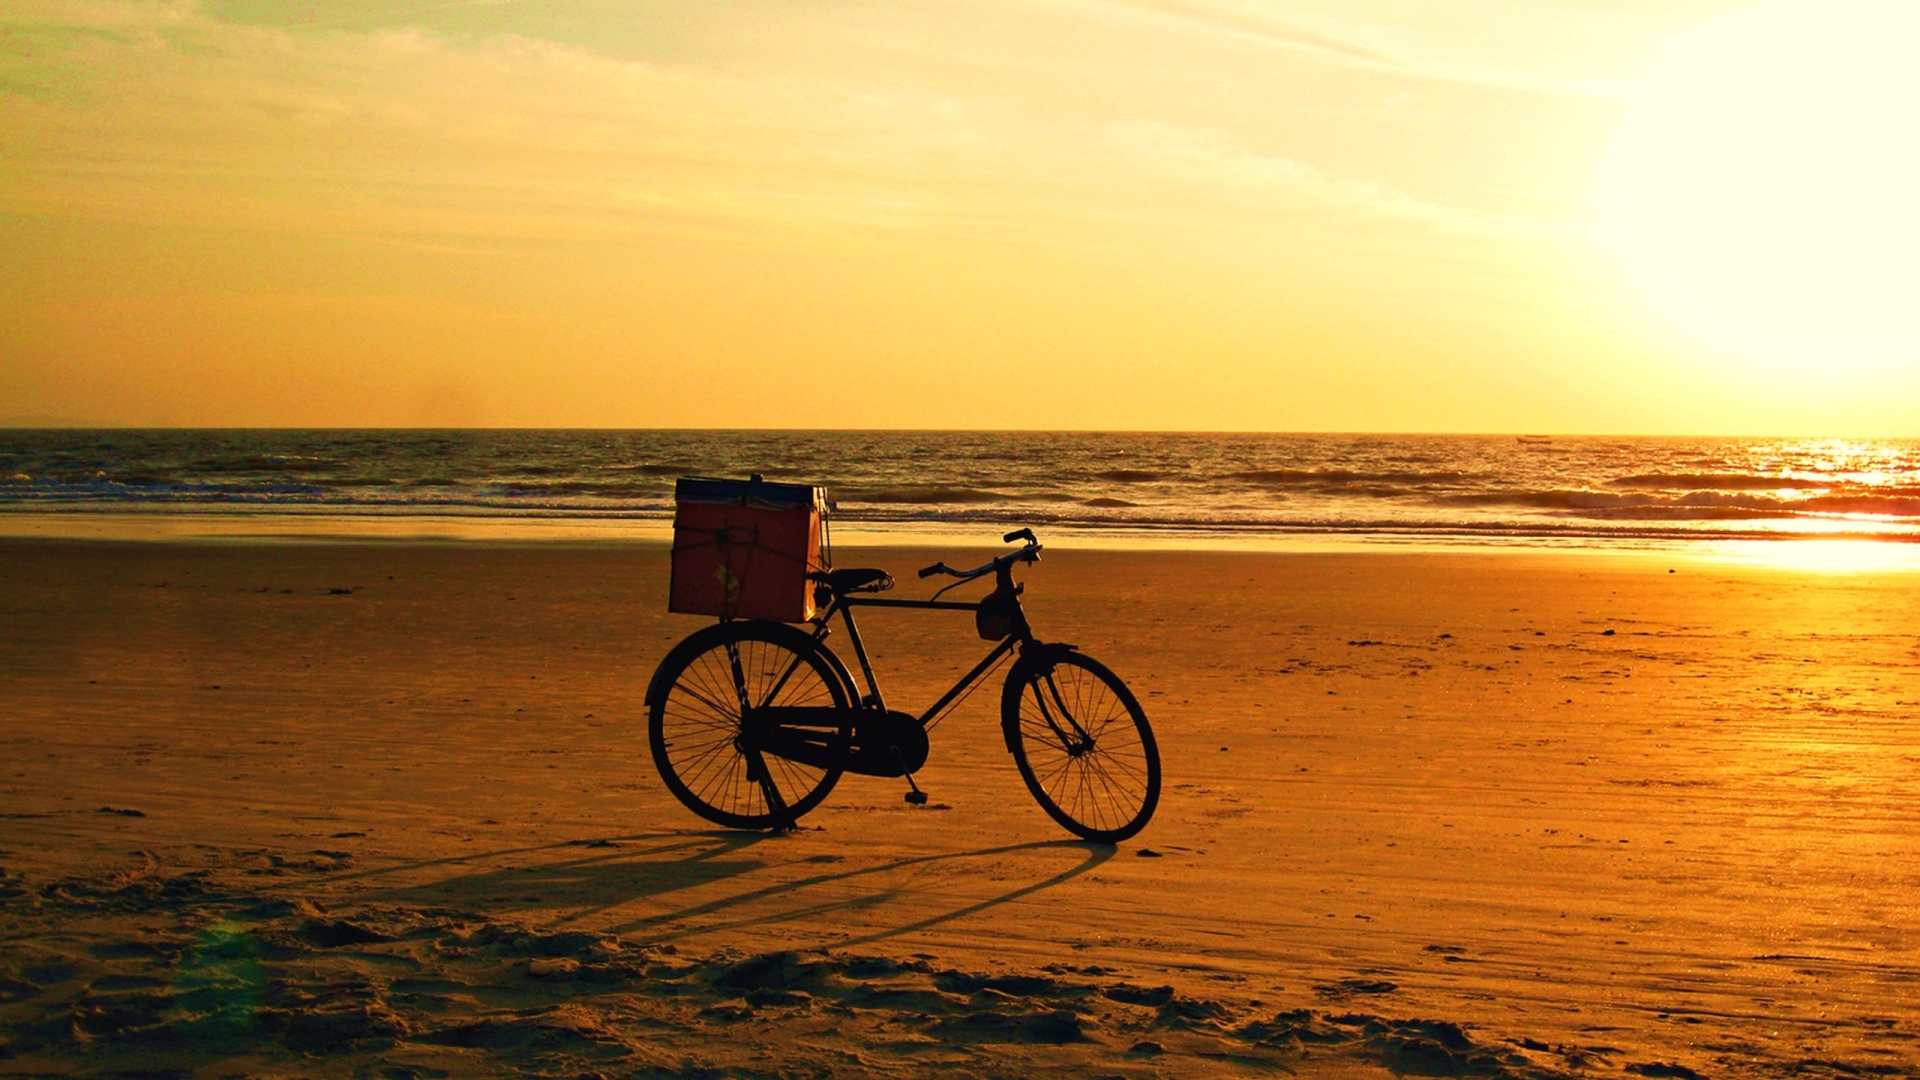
<point>1762,188</point>
<point>1823,556</point>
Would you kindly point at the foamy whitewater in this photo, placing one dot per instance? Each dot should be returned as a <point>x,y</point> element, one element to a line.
<point>1492,487</point>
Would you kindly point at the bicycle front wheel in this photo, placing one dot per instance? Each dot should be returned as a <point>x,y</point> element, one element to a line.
<point>1082,744</point>
<point>703,689</point>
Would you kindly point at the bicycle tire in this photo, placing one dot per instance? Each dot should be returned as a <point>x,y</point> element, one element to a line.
<point>694,720</point>
<point>1104,789</point>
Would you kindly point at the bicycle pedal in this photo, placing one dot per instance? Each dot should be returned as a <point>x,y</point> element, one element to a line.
<point>917,798</point>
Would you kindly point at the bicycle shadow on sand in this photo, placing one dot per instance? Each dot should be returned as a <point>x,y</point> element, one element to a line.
<point>577,876</point>
<point>600,877</point>
<point>748,909</point>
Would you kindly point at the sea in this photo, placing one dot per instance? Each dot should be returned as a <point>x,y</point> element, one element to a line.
<point>1220,488</point>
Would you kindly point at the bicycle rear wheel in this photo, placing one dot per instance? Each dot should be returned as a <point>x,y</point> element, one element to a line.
<point>1082,745</point>
<point>701,693</point>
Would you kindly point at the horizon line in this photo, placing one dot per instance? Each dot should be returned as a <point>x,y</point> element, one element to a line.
<point>13,424</point>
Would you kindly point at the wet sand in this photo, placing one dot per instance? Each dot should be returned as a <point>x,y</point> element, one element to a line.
<point>386,809</point>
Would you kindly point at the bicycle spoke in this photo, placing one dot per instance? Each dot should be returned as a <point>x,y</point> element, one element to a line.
<point>711,768</point>
<point>701,751</point>
<point>1097,777</point>
<point>700,693</point>
<point>704,768</point>
<point>706,687</point>
<point>1122,764</point>
<point>799,779</point>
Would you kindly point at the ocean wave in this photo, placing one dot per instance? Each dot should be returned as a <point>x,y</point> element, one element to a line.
<point>1890,506</point>
<point>140,479</point>
<point>587,488</point>
<point>1718,482</point>
<point>265,463</point>
<point>1344,478</point>
<point>1705,504</point>
<point>923,495</point>
<point>1682,502</point>
<point>140,486</point>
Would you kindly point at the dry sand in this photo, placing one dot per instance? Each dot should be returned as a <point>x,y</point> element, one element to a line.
<point>386,810</point>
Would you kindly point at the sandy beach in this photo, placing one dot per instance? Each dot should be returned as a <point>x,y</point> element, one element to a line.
<point>385,809</point>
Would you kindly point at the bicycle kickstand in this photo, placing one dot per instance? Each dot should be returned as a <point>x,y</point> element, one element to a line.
<point>783,820</point>
<point>915,796</point>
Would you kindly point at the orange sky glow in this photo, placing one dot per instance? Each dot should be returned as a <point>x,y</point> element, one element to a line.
<point>1389,215</point>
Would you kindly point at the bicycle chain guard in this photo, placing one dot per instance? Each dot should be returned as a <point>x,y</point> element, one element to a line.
<point>890,743</point>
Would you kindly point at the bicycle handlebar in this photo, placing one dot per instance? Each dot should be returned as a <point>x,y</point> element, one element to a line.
<point>1030,553</point>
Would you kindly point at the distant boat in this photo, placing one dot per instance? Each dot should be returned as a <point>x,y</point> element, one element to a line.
<point>1533,440</point>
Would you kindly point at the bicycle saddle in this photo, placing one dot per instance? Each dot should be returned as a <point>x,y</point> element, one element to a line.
<point>866,579</point>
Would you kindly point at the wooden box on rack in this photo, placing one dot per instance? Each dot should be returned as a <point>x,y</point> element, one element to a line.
<point>742,549</point>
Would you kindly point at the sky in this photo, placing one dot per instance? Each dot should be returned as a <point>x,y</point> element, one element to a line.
<point>1368,215</point>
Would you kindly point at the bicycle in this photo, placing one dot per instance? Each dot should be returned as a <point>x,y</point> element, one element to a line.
<point>753,722</point>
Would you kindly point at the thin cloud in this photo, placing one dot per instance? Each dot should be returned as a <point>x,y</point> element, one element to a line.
<point>1330,46</point>
<point>401,13</point>
<point>1211,160</point>
<point>1269,30</point>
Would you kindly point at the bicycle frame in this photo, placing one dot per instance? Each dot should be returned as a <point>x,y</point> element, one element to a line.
<point>844,605</point>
